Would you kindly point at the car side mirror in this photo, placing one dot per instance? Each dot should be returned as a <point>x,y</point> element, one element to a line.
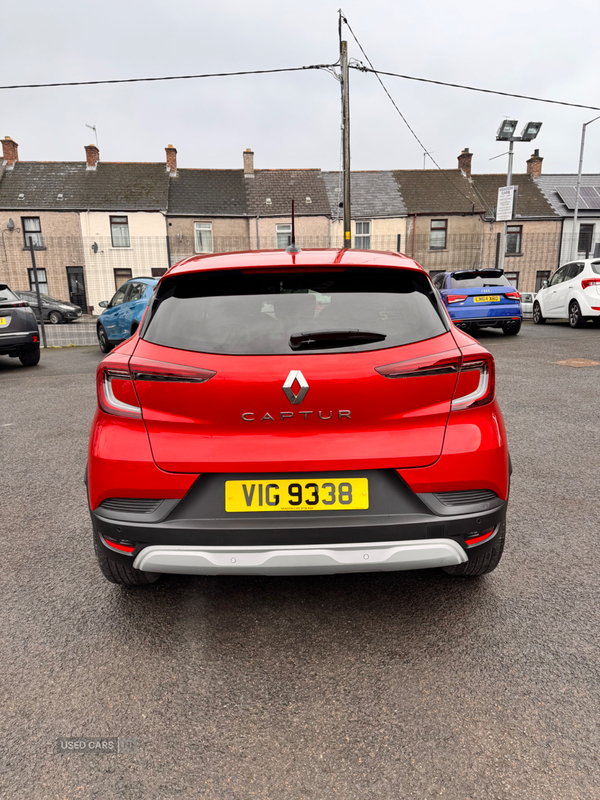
<point>103,303</point>
<point>544,284</point>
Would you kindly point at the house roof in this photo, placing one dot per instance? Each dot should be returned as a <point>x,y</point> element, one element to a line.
<point>373,195</point>
<point>208,192</point>
<point>36,185</point>
<point>451,192</point>
<point>531,201</point>
<point>431,191</point>
<point>282,186</point>
<point>551,184</point>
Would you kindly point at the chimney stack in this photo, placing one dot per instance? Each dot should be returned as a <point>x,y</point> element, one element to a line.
<point>92,156</point>
<point>10,152</point>
<point>464,162</point>
<point>534,164</point>
<point>248,163</point>
<point>171,160</point>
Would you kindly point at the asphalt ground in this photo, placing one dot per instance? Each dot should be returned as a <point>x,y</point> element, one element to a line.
<point>405,685</point>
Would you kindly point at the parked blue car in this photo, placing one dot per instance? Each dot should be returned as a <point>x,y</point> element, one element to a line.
<point>480,298</point>
<point>123,314</point>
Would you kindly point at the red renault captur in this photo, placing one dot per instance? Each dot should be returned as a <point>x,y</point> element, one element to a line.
<point>296,413</point>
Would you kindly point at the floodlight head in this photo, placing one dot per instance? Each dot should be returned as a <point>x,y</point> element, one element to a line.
<point>507,130</point>
<point>530,131</point>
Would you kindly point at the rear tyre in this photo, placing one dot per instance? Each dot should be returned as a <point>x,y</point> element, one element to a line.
<point>104,344</point>
<point>538,319</point>
<point>122,574</point>
<point>30,357</point>
<point>576,320</point>
<point>481,565</point>
<point>54,317</point>
<point>512,330</point>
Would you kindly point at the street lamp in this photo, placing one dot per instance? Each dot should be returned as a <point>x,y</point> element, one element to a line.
<point>575,246</point>
<point>506,133</point>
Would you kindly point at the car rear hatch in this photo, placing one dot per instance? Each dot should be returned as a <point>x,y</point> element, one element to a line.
<point>335,369</point>
<point>482,293</point>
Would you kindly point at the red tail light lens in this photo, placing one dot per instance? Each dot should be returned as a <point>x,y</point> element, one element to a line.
<point>587,282</point>
<point>123,548</point>
<point>482,538</point>
<point>475,384</point>
<point>455,298</point>
<point>146,369</point>
<point>116,393</point>
<point>116,376</point>
<point>439,364</point>
<point>513,295</point>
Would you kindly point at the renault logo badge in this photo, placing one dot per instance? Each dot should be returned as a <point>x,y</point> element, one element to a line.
<point>297,377</point>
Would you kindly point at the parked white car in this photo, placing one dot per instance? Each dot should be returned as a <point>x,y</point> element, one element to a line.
<point>527,300</point>
<point>572,293</point>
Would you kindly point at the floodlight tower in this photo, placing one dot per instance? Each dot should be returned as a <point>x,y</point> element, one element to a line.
<point>506,133</point>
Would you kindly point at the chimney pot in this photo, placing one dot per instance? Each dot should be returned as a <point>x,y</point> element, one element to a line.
<point>171,160</point>
<point>10,152</point>
<point>464,162</point>
<point>92,156</point>
<point>534,164</point>
<point>248,163</point>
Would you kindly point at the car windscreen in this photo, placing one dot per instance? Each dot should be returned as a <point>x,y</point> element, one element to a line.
<point>245,312</point>
<point>6,295</point>
<point>471,281</point>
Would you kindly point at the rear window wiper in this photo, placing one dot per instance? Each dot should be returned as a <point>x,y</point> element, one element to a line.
<point>323,339</point>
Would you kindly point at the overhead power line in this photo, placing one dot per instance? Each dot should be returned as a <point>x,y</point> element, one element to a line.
<point>169,77</point>
<point>378,72</point>
<point>383,86</point>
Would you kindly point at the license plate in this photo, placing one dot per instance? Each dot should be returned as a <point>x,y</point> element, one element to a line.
<point>319,494</point>
<point>4,321</point>
<point>488,298</point>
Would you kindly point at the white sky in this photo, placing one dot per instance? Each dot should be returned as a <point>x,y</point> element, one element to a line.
<point>538,47</point>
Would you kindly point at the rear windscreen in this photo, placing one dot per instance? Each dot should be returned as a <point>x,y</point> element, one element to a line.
<point>252,313</point>
<point>473,282</point>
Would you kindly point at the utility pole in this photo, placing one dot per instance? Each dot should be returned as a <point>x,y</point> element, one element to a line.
<point>346,141</point>
<point>575,241</point>
<point>37,292</point>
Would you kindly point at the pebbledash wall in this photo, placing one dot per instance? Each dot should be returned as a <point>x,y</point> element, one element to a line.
<point>147,251</point>
<point>61,248</point>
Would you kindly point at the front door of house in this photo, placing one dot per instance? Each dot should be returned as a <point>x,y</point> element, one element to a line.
<point>77,287</point>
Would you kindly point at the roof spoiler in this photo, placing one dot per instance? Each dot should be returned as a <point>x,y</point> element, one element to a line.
<point>477,273</point>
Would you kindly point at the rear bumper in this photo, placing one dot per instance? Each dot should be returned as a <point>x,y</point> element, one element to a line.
<point>488,322</point>
<point>17,341</point>
<point>302,560</point>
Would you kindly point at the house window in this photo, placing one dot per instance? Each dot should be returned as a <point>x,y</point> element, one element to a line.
<point>540,276</point>
<point>362,235</point>
<point>586,237</point>
<point>513,278</point>
<point>514,239</point>
<point>42,280</point>
<point>437,234</point>
<point>284,235</point>
<point>32,231</point>
<point>121,275</point>
<point>158,272</point>
<point>119,231</point>
<point>203,237</point>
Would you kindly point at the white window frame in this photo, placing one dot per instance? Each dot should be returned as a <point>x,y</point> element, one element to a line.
<point>438,232</point>
<point>284,235</point>
<point>42,279</point>
<point>203,237</point>
<point>119,230</point>
<point>362,235</point>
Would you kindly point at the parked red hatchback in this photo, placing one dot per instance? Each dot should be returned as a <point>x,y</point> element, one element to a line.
<point>296,413</point>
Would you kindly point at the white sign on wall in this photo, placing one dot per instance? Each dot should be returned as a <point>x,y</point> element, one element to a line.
<point>506,201</point>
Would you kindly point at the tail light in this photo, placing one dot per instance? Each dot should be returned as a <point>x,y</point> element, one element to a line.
<point>587,282</point>
<point>475,384</point>
<point>116,376</point>
<point>455,298</point>
<point>475,375</point>
<point>15,305</point>
<point>513,295</point>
